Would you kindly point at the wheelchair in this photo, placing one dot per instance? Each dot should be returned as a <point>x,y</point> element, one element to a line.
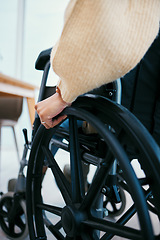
<point>125,163</point>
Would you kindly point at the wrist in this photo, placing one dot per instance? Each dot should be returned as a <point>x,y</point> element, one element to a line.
<point>58,92</point>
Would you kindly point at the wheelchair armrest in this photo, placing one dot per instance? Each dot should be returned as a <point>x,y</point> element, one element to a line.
<point>42,59</point>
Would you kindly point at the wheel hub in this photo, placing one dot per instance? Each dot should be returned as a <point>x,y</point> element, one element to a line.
<point>71,220</point>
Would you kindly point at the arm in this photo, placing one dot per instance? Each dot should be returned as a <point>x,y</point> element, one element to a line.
<point>100,42</point>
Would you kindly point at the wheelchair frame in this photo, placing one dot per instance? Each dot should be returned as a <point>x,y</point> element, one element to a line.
<point>79,220</point>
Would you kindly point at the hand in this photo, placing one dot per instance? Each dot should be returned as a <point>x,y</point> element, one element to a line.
<point>49,108</point>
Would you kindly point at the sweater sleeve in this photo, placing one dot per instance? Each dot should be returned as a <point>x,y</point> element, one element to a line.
<point>102,41</point>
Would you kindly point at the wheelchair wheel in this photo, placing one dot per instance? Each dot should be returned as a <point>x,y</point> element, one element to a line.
<point>14,226</point>
<point>115,208</point>
<point>80,214</point>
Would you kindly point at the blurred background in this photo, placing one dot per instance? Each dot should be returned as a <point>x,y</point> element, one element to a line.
<point>27,27</point>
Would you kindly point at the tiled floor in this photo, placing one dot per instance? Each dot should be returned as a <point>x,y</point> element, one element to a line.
<point>9,169</point>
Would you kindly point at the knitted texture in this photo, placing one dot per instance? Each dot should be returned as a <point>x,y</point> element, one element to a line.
<point>101,41</point>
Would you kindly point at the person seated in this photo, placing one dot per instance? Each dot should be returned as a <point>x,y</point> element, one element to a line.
<point>101,41</point>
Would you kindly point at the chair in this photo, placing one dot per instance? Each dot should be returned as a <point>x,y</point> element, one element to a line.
<point>74,212</point>
<point>10,111</point>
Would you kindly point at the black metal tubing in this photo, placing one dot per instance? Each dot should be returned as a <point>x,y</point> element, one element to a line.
<point>44,81</point>
<point>76,167</point>
<point>37,123</point>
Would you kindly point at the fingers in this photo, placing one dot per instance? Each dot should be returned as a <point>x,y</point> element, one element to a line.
<point>58,120</point>
<point>50,124</point>
<point>45,125</point>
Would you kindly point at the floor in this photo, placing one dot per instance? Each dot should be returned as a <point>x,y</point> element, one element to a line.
<point>9,169</point>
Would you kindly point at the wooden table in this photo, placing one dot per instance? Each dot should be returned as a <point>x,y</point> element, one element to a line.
<point>12,87</point>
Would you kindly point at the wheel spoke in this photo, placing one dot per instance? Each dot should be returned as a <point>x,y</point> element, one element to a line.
<point>97,182</point>
<point>11,227</point>
<point>20,223</point>
<point>53,229</point>
<point>113,228</point>
<point>59,176</point>
<point>52,209</point>
<point>76,166</point>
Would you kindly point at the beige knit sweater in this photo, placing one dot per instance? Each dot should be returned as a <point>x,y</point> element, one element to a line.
<point>101,41</point>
